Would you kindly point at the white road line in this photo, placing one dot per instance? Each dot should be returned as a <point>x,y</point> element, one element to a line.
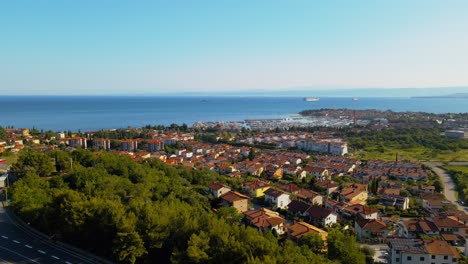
<point>40,251</point>
<point>55,257</point>
<point>68,262</point>
<point>28,246</point>
<point>16,241</point>
<point>14,252</point>
<point>5,237</point>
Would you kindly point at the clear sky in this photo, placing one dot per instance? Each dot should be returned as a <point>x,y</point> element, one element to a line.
<point>134,47</point>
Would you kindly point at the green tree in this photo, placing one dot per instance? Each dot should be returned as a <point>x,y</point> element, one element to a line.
<point>369,253</point>
<point>314,242</point>
<point>198,246</point>
<point>344,248</point>
<point>34,162</point>
<point>128,246</point>
<point>439,187</point>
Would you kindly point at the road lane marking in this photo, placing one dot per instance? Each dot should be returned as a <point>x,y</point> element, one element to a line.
<point>5,237</point>
<point>40,251</point>
<point>16,241</point>
<point>27,230</point>
<point>68,262</point>
<point>28,246</point>
<point>55,257</point>
<point>14,252</point>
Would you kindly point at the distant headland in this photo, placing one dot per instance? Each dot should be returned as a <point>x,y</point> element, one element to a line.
<point>451,96</point>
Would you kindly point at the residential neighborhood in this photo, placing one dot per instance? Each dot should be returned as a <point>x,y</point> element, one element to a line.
<point>306,184</point>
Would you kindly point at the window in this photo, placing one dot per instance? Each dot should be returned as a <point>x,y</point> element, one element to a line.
<point>433,256</point>
<point>445,257</point>
<point>408,258</point>
<point>397,260</point>
<point>421,258</point>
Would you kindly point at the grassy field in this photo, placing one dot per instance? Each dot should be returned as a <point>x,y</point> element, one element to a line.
<point>463,169</point>
<point>10,160</point>
<point>412,154</point>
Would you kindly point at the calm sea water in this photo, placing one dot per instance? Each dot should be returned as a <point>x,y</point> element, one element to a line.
<point>97,112</point>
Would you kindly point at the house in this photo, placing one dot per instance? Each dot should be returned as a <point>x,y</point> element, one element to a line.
<point>359,210</point>
<point>277,198</point>
<point>265,220</point>
<point>321,216</point>
<point>424,189</point>
<point>433,202</point>
<point>320,174</point>
<point>409,251</point>
<point>394,200</point>
<point>353,194</point>
<point>309,196</point>
<point>414,228</point>
<point>274,172</point>
<point>336,206</point>
<point>256,188</point>
<point>370,229</point>
<point>460,215</point>
<point>301,229</point>
<point>254,169</point>
<point>329,186</point>
<point>217,189</point>
<point>236,200</point>
<point>297,207</point>
<point>449,224</point>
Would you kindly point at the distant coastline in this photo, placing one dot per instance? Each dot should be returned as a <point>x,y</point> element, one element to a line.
<point>449,96</point>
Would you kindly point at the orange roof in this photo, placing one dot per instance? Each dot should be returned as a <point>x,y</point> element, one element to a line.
<point>440,247</point>
<point>301,229</point>
<point>233,196</point>
<point>264,218</point>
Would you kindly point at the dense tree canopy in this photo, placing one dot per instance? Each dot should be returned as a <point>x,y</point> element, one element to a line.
<point>141,212</point>
<point>35,163</point>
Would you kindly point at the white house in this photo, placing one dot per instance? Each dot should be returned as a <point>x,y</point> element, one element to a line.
<point>277,198</point>
<point>418,251</point>
<point>217,189</point>
<point>321,216</point>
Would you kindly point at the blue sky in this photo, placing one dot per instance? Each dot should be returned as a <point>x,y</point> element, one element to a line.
<point>138,47</point>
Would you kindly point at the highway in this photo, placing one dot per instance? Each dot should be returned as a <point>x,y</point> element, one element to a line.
<point>21,244</point>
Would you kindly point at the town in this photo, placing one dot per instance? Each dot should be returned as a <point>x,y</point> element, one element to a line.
<point>294,184</point>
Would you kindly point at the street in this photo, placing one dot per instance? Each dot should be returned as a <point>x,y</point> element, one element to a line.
<point>18,244</point>
<point>449,185</point>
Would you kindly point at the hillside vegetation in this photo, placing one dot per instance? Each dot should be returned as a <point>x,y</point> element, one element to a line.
<point>147,212</point>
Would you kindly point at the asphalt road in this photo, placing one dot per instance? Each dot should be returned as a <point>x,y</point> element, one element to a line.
<point>449,185</point>
<point>18,244</point>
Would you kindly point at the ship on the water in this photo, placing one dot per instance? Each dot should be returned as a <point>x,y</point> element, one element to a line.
<point>311,99</point>
<point>355,98</point>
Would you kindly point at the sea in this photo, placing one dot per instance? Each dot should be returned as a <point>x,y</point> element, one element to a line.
<point>85,113</point>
